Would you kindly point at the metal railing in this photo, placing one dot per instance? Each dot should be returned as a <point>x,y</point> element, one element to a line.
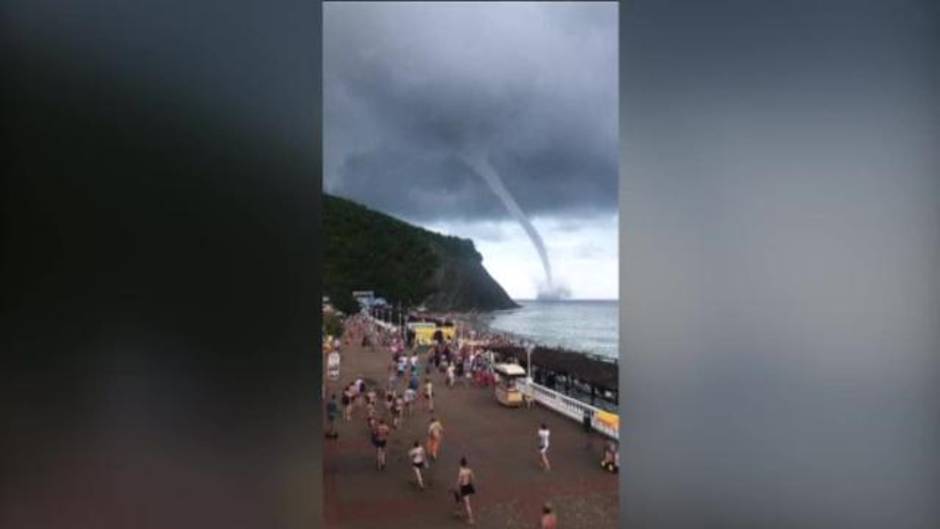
<point>565,405</point>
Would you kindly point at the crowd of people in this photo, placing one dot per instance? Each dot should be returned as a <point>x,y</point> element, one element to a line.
<point>409,386</point>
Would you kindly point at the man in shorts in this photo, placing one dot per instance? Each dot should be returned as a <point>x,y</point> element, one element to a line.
<point>465,487</point>
<point>380,440</point>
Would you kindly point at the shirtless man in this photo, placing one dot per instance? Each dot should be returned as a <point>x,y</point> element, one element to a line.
<point>465,487</point>
<point>380,439</point>
<point>435,436</point>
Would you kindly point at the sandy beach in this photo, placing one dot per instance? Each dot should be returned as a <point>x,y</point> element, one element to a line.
<point>500,444</point>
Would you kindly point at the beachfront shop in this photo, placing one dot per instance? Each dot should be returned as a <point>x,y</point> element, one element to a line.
<point>424,332</point>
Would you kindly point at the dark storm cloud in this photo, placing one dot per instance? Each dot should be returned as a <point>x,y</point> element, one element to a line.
<point>410,88</point>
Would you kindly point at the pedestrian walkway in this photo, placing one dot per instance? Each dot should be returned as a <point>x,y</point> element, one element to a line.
<point>501,445</point>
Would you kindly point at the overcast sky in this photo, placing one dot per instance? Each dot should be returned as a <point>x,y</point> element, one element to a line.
<point>410,88</point>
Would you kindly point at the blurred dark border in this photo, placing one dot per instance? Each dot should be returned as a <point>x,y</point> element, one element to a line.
<point>160,306</point>
<point>779,230</point>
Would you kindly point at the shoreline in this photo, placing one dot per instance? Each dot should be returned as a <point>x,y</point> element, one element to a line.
<point>587,377</point>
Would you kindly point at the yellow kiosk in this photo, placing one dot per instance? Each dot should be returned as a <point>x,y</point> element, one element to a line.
<point>424,332</point>
<point>507,390</point>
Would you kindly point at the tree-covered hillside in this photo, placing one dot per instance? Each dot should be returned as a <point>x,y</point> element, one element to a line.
<point>368,250</point>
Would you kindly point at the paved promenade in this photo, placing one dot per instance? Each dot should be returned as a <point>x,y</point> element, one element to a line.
<point>500,444</point>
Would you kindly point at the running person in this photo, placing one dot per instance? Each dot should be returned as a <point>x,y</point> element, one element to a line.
<point>549,520</point>
<point>380,439</point>
<point>435,436</point>
<point>429,394</point>
<point>450,374</point>
<point>611,461</point>
<point>392,377</point>
<point>417,461</point>
<point>360,389</point>
<point>332,412</point>
<point>398,409</point>
<point>410,396</point>
<point>370,402</point>
<point>465,487</point>
<point>544,434</point>
<point>347,403</point>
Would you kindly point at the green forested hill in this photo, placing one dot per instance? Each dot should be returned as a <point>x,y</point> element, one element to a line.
<point>368,250</point>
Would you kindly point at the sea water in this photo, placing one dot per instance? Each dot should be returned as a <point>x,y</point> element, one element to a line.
<point>589,326</point>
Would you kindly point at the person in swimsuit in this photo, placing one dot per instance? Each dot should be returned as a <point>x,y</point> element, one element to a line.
<point>451,371</point>
<point>398,408</point>
<point>435,436</point>
<point>429,394</point>
<point>410,396</point>
<point>417,461</point>
<point>543,447</point>
<point>465,487</point>
<point>549,520</point>
<point>380,439</point>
